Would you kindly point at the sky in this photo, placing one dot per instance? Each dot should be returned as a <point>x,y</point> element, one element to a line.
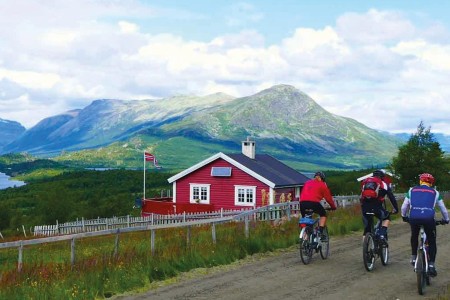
<point>384,63</point>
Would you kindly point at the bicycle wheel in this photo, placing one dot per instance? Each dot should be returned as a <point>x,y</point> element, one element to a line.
<point>306,249</point>
<point>325,245</point>
<point>384,254</point>
<point>369,252</point>
<point>420,272</point>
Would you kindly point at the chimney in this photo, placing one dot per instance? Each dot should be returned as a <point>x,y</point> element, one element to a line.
<point>248,148</point>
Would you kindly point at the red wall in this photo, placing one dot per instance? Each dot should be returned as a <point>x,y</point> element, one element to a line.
<point>168,208</point>
<point>222,188</point>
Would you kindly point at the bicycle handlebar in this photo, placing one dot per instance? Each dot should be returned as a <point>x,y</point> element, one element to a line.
<point>438,222</point>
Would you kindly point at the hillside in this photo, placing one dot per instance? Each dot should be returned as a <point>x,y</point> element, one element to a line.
<point>183,130</point>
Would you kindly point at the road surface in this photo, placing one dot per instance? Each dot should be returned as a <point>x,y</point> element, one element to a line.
<point>342,276</point>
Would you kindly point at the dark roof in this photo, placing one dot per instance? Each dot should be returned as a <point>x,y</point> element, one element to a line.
<point>272,169</point>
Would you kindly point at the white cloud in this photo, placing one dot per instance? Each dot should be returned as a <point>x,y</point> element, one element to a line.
<point>127,27</point>
<point>30,79</point>
<point>377,67</point>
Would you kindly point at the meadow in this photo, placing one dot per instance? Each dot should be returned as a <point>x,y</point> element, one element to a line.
<point>100,273</point>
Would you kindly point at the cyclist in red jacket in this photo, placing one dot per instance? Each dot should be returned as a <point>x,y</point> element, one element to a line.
<point>312,193</point>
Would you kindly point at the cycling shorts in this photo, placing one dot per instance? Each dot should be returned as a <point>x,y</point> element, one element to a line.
<point>308,207</point>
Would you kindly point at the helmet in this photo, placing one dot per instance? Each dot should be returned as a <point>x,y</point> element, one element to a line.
<point>378,173</point>
<point>320,174</point>
<point>427,177</point>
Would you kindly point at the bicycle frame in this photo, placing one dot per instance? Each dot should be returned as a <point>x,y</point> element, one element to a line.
<point>422,247</point>
<point>372,248</point>
<point>309,239</point>
<point>421,265</point>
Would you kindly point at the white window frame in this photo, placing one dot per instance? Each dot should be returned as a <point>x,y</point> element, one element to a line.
<point>246,189</point>
<point>205,188</point>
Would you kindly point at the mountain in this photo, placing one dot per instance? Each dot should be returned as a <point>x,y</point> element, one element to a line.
<point>442,139</point>
<point>9,131</point>
<point>105,121</point>
<point>286,121</point>
<point>183,130</point>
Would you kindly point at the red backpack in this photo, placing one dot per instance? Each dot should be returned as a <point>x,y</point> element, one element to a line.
<point>371,187</point>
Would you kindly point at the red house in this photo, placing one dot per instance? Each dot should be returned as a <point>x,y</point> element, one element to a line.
<point>236,181</point>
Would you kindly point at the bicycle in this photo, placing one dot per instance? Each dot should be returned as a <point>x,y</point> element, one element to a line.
<point>373,247</point>
<point>423,256</point>
<point>310,241</point>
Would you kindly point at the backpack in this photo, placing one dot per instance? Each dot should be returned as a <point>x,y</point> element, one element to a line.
<point>370,188</point>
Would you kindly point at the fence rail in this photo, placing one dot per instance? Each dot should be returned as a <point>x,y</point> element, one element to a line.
<point>116,226</point>
<point>101,224</point>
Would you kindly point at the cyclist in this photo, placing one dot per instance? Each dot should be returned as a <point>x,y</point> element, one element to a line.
<point>373,191</point>
<point>312,193</point>
<point>418,209</point>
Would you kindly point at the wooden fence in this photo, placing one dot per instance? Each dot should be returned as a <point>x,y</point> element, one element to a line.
<point>266,213</point>
<point>100,224</point>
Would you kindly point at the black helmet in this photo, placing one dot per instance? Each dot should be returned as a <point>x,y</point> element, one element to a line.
<point>378,173</point>
<point>320,174</point>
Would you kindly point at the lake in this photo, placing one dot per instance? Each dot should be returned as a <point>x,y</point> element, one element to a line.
<point>5,182</point>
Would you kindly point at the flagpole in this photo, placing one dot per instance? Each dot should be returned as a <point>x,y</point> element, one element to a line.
<point>144,176</point>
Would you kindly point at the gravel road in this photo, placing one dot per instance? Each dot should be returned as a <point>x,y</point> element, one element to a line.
<point>342,276</point>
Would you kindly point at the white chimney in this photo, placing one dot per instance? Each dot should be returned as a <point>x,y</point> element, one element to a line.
<point>248,148</point>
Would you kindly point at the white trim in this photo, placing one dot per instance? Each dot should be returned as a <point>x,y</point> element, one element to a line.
<point>246,187</point>
<point>174,190</point>
<point>371,174</point>
<point>200,185</point>
<point>229,160</point>
<point>271,196</point>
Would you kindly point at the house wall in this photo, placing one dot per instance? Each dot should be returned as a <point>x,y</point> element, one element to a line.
<point>222,189</point>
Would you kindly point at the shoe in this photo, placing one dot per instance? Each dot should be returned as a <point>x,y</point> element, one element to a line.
<point>432,271</point>
<point>413,260</point>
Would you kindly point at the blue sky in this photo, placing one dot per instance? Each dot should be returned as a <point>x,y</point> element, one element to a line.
<point>385,64</point>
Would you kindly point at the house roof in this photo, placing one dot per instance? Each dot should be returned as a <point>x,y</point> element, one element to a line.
<point>264,167</point>
<point>370,175</point>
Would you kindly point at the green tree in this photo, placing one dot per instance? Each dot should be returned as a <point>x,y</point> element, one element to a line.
<point>422,153</point>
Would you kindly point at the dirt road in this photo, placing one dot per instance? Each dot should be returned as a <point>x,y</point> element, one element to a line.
<point>341,276</point>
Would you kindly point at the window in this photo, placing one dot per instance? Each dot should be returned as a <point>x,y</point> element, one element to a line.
<point>245,195</point>
<point>221,171</point>
<point>199,193</point>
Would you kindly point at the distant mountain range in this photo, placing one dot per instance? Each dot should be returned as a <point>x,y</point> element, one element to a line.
<point>9,131</point>
<point>183,130</point>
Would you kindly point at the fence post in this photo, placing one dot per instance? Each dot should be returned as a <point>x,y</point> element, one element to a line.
<point>152,219</point>
<point>128,220</point>
<point>72,252</point>
<point>246,219</point>
<point>57,227</point>
<point>23,229</point>
<point>221,212</point>
<point>184,216</point>
<point>152,241</point>
<point>289,212</point>
<point>213,229</point>
<point>20,262</point>
<point>83,228</point>
<point>116,243</point>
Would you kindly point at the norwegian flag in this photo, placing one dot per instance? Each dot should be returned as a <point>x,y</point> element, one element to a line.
<point>149,156</point>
